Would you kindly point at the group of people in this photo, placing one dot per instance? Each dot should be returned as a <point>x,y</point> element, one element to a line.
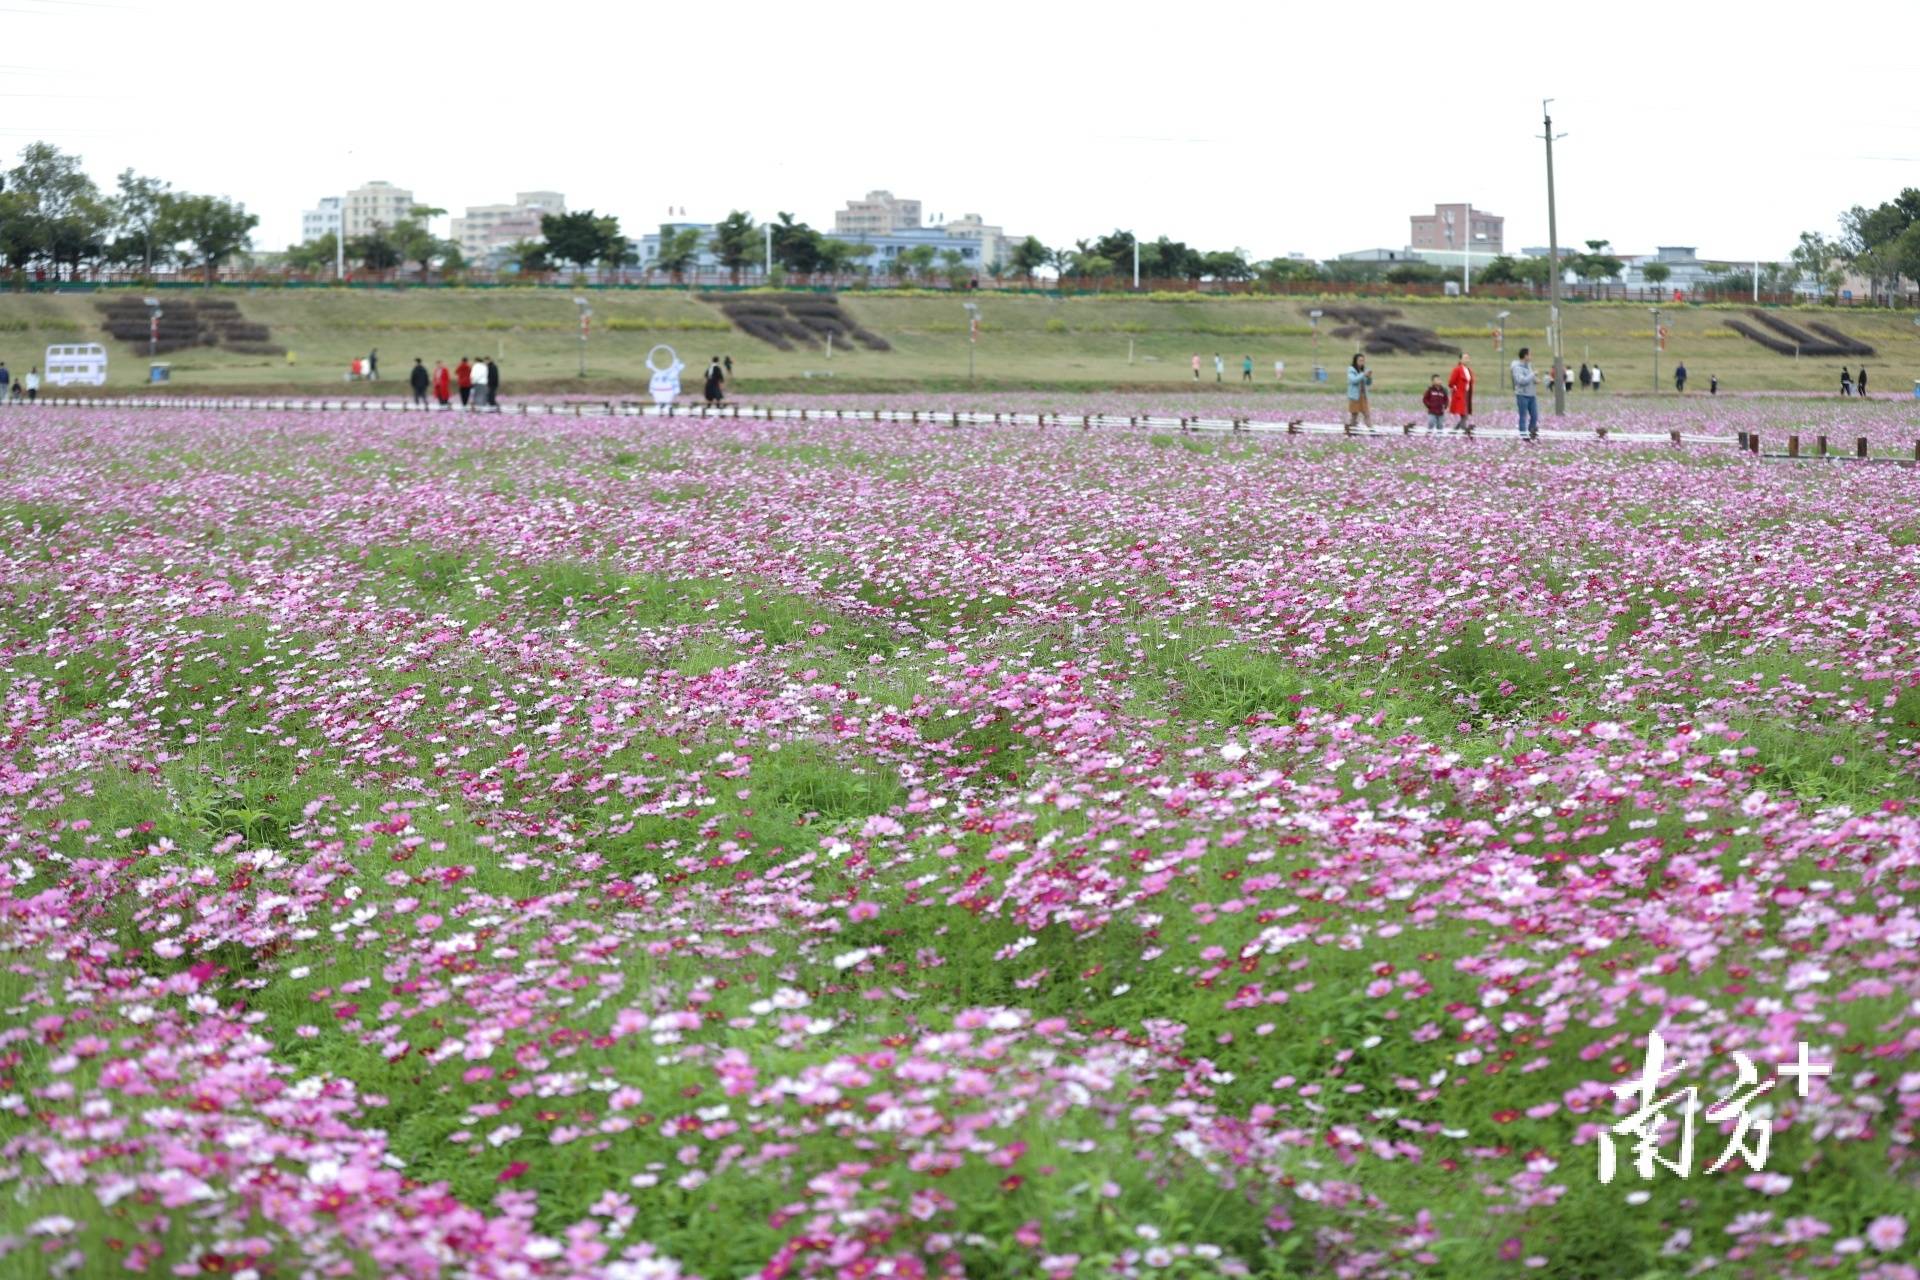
<point>1849,385</point>
<point>28,387</point>
<point>1246,368</point>
<point>477,381</point>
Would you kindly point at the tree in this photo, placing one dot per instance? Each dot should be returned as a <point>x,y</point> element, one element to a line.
<point>314,255</point>
<point>1533,271</point>
<point>1500,271</point>
<point>616,250</point>
<point>1276,270</point>
<point>678,250</point>
<point>1868,236</point>
<point>1028,257</point>
<point>55,212</point>
<point>374,251</point>
<point>1597,263</point>
<point>915,262</point>
<point>736,242</point>
<point>1089,265</point>
<point>801,249</point>
<point>956,268</point>
<point>414,241</point>
<point>136,214</point>
<point>1225,264</point>
<point>528,256</point>
<point>1061,260</point>
<point>216,227</point>
<point>577,238</point>
<point>1656,273</point>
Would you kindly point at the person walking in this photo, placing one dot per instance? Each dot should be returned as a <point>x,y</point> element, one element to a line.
<point>1713,384</point>
<point>1586,376</point>
<point>1219,368</point>
<point>1435,399</point>
<point>443,384</point>
<point>1279,370</point>
<point>493,385</point>
<point>1680,377</point>
<point>1196,366</point>
<point>1846,381</point>
<point>1525,398</point>
<point>33,384</point>
<point>1460,383</point>
<point>6,382</point>
<point>373,365</point>
<point>1246,368</point>
<point>1358,380</point>
<point>463,378</point>
<point>1596,376</point>
<point>728,362</point>
<point>1861,384</point>
<point>716,380</point>
<point>418,379</point>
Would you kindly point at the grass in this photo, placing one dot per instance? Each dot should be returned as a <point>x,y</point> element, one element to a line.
<point>1026,341</point>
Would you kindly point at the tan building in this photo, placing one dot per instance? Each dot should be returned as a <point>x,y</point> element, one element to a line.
<point>1458,227</point>
<point>378,204</point>
<point>878,215</point>
<point>996,246</point>
<point>486,228</point>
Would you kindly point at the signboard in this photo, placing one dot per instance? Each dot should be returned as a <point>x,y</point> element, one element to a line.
<point>665,383</point>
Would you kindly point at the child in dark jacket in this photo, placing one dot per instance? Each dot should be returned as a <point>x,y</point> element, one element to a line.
<point>1435,399</point>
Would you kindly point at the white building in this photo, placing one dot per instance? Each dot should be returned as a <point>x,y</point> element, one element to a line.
<point>485,229</point>
<point>378,204</point>
<point>321,221</point>
<point>996,246</point>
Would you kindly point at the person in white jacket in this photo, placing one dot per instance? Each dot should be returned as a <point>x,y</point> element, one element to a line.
<point>33,383</point>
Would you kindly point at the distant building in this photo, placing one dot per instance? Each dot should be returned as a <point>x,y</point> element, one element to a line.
<point>378,204</point>
<point>1686,270</point>
<point>648,247</point>
<point>888,246</point>
<point>321,221</point>
<point>877,215</point>
<point>996,246</point>
<point>1380,255</point>
<point>1458,228</point>
<point>485,230</point>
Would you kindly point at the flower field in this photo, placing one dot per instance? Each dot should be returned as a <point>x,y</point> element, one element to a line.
<point>514,848</point>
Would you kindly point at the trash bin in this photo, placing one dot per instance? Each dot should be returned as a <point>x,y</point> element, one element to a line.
<point>159,371</point>
<point>1319,373</point>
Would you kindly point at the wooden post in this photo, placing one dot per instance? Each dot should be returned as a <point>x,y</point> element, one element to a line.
<point>1860,447</point>
<point>1743,442</point>
<point>1674,435</point>
<point>1793,446</point>
<point>1753,442</point>
<point>1916,450</point>
<point>1820,445</point>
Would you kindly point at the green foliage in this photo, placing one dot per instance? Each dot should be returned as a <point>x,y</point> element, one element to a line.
<point>736,242</point>
<point>213,226</point>
<point>679,247</point>
<point>582,237</point>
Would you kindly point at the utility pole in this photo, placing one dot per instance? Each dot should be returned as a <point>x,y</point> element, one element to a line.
<point>1553,272</point>
<point>1656,347</point>
<point>1136,264</point>
<point>769,229</point>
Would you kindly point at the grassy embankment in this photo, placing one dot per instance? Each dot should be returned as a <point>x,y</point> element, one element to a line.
<point>1025,341</point>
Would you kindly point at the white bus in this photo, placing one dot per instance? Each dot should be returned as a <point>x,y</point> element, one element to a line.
<point>82,363</point>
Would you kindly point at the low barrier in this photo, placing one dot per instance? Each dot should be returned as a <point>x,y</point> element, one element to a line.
<point>1746,442</point>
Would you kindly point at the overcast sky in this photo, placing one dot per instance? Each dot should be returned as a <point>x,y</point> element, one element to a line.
<point>1271,127</point>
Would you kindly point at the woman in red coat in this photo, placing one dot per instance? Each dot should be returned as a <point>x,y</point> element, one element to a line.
<point>443,385</point>
<point>1460,384</point>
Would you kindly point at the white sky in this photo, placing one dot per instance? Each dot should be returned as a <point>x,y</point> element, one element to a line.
<point>1273,127</point>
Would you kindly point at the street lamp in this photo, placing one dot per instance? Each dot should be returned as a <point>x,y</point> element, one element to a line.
<point>973,333</point>
<point>586,314</point>
<point>1500,345</point>
<point>153,326</point>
